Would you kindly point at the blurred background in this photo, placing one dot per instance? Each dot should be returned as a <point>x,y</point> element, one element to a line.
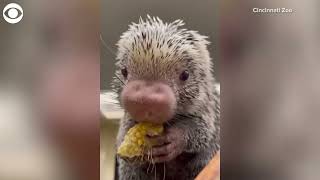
<point>49,91</point>
<point>270,88</point>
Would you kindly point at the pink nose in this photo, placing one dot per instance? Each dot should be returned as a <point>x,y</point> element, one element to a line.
<point>149,101</point>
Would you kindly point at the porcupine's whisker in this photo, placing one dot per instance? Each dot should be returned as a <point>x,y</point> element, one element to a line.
<point>164,171</point>
<point>119,79</point>
<point>179,117</point>
<point>186,115</point>
<point>155,174</point>
<point>141,158</point>
<point>152,167</point>
<point>149,154</point>
<point>106,45</point>
<point>134,160</point>
<point>110,50</point>
<point>148,167</point>
<point>183,117</point>
<point>169,124</point>
<point>152,161</point>
<point>142,154</point>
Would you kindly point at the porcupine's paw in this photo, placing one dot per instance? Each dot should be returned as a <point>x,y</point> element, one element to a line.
<point>170,145</point>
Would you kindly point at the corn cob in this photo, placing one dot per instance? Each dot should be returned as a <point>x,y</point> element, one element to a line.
<point>135,141</point>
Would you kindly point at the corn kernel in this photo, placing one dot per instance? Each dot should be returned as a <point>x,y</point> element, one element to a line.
<point>134,141</point>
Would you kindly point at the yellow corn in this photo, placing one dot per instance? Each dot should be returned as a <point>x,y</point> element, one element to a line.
<point>135,141</point>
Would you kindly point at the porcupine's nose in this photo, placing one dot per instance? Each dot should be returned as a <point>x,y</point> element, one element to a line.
<point>149,101</point>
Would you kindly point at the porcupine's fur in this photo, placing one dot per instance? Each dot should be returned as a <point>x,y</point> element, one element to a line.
<point>155,50</point>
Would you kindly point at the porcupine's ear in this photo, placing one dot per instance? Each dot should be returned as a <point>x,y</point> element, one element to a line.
<point>197,38</point>
<point>201,43</point>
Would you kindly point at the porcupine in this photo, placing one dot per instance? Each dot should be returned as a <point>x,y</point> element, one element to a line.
<point>165,75</point>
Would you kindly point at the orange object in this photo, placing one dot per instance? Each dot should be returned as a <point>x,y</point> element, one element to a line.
<point>212,170</point>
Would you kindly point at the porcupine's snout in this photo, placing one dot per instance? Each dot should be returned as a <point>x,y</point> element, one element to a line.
<point>149,101</point>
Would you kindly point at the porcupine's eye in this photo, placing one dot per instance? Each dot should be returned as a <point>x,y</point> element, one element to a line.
<point>184,75</point>
<point>124,72</point>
